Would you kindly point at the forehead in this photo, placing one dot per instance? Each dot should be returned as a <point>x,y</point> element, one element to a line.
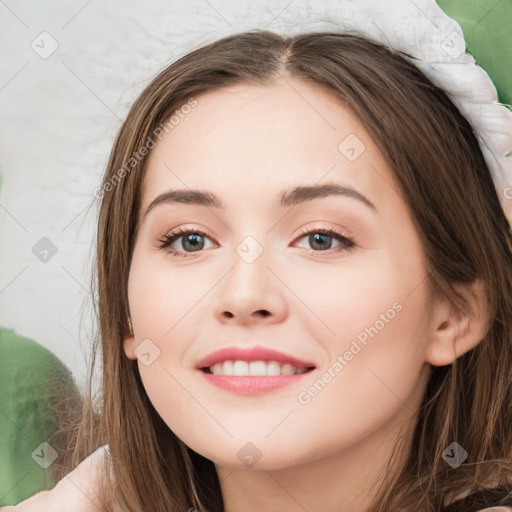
<point>248,142</point>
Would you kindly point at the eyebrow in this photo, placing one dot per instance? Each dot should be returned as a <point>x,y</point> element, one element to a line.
<point>287,198</point>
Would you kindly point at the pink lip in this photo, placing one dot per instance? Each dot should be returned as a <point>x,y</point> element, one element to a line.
<point>252,385</point>
<point>256,353</point>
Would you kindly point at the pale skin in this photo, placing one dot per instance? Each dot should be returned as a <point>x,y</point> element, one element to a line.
<point>246,144</point>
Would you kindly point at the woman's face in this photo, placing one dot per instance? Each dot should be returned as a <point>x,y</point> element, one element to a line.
<point>265,273</point>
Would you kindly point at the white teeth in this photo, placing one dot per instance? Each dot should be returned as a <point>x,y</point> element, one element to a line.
<point>273,368</point>
<point>227,367</point>
<point>258,368</point>
<point>240,368</point>
<point>254,368</point>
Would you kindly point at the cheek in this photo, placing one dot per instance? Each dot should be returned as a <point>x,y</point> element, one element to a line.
<point>159,301</point>
<point>376,368</point>
<point>374,341</point>
<point>364,299</point>
<point>365,394</point>
<point>159,297</point>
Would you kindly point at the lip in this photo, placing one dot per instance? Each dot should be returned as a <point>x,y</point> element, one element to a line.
<point>252,385</point>
<point>255,353</point>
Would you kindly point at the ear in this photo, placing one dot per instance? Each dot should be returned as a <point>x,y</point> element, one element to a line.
<point>456,332</point>
<point>129,342</point>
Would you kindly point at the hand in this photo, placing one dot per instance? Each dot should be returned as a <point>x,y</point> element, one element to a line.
<point>78,489</point>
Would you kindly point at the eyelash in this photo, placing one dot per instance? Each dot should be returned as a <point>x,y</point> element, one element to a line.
<point>169,238</point>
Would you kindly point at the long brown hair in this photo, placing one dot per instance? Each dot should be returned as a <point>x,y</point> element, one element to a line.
<point>446,184</point>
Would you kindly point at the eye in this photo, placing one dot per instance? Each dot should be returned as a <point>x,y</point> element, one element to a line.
<point>193,240</point>
<point>321,240</point>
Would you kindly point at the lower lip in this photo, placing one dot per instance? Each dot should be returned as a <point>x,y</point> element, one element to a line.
<point>252,385</point>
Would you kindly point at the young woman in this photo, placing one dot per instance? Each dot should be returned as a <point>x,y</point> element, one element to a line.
<point>318,211</point>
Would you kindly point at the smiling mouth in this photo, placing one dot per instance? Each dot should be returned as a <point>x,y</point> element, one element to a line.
<point>240,368</point>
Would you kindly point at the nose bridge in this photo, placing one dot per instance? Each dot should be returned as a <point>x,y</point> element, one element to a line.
<point>250,273</point>
<point>250,288</point>
<point>250,249</point>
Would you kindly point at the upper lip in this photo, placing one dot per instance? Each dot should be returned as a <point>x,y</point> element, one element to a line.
<point>255,353</point>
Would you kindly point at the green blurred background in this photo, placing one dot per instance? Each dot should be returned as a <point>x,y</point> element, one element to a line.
<point>487,27</point>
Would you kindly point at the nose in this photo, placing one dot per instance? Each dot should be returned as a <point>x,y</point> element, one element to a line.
<point>251,293</point>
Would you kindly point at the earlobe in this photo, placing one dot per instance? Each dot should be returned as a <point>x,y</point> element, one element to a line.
<point>456,332</point>
<point>129,347</point>
<point>129,343</point>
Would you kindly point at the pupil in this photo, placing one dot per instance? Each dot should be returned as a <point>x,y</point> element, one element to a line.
<point>192,239</point>
<point>319,237</point>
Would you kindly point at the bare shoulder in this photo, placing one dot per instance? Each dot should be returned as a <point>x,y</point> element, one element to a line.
<point>493,509</point>
<point>76,492</point>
